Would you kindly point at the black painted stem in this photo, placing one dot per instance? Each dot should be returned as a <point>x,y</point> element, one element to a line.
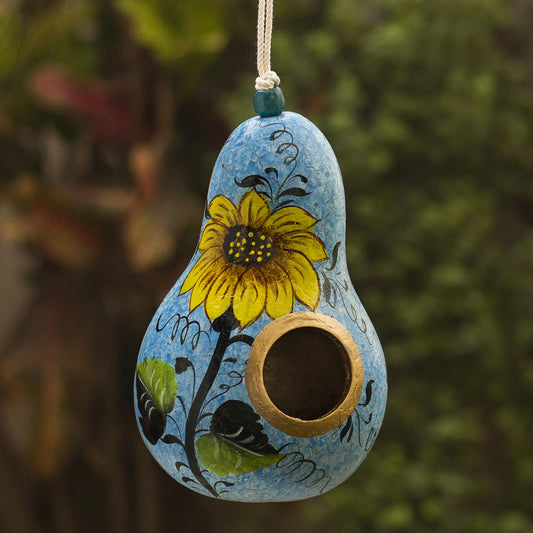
<point>198,402</point>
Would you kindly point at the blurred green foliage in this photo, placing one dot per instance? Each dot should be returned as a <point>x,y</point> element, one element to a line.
<point>111,116</point>
<point>174,30</point>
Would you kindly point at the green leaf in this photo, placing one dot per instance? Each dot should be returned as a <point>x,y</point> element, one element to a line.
<point>159,380</point>
<point>176,30</point>
<point>223,458</point>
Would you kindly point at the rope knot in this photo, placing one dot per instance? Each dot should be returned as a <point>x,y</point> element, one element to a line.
<point>268,80</point>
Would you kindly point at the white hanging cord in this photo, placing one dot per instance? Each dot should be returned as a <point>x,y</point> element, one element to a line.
<point>267,78</point>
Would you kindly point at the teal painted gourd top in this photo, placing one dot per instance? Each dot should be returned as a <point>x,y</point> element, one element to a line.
<point>261,377</point>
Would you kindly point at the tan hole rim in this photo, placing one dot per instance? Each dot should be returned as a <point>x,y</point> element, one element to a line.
<point>256,387</point>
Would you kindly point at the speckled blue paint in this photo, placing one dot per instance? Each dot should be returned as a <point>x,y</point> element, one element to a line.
<point>250,150</point>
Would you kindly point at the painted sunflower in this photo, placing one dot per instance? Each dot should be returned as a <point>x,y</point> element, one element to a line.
<point>255,260</point>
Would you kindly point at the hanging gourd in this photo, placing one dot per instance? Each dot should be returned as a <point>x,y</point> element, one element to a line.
<point>261,377</point>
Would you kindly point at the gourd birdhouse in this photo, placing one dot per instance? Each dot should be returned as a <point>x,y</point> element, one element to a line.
<point>261,377</point>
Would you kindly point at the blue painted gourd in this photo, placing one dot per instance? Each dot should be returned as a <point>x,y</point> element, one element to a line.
<point>261,377</point>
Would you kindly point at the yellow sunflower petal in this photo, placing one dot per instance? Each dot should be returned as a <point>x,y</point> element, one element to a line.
<point>250,296</point>
<point>280,296</point>
<point>213,235</point>
<point>289,219</point>
<point>222,210</point>
<point>306,243</point>
<point>199,269</point>
<point>221,293</point>
<point>201,288</point>
<point>253,209</point>
<point>303,277</point>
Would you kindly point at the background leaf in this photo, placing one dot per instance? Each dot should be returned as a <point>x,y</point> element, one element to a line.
<point>175,30</point>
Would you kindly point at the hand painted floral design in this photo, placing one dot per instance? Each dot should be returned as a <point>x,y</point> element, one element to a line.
<point>255,259</point>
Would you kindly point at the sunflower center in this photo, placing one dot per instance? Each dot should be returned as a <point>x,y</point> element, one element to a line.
<point>248,246</point>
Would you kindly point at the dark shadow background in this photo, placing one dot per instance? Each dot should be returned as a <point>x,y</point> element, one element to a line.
<point>112,113</point>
